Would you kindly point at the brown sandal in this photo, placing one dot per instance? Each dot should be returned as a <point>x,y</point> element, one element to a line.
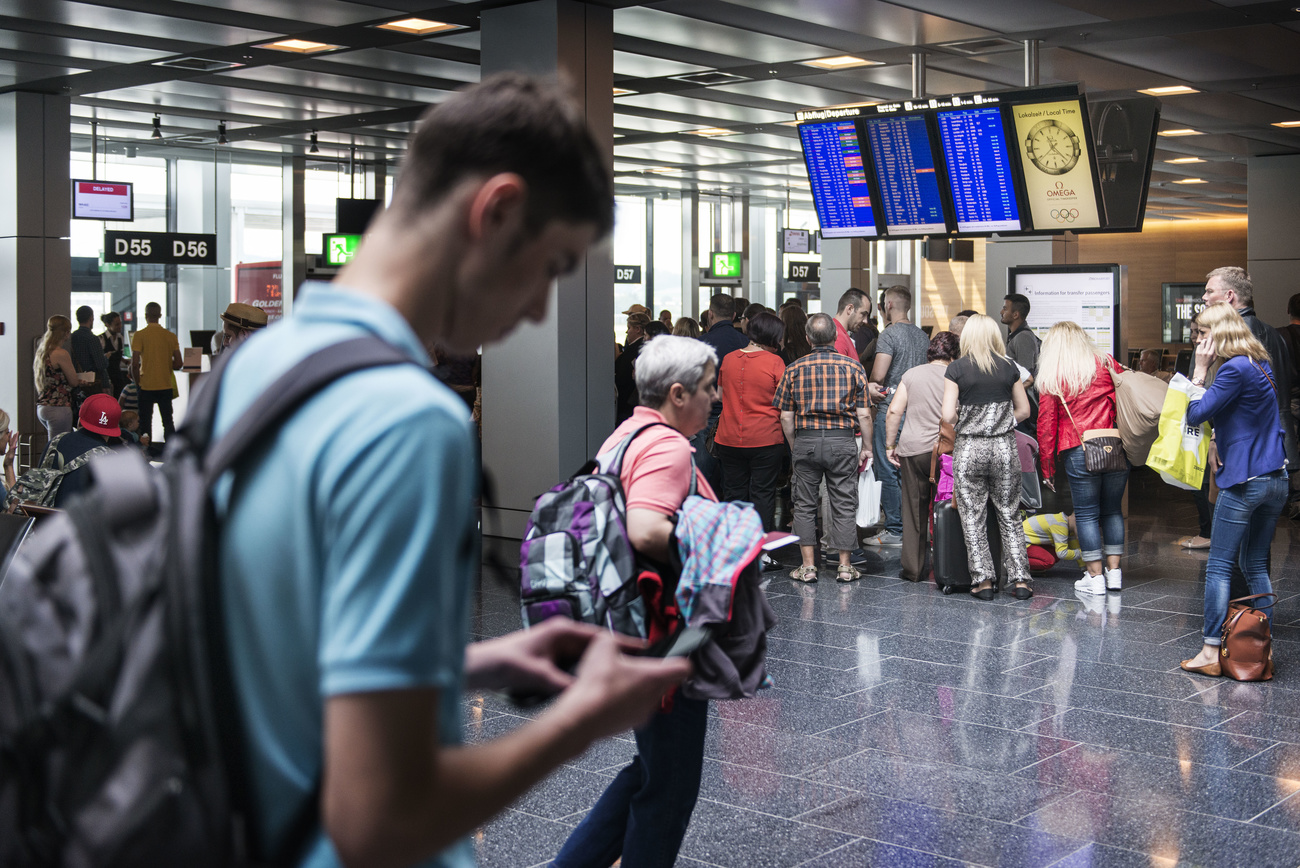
<point>847,573</point>
<point>807,575</point>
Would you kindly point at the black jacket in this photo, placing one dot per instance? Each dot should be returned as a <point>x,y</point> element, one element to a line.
<point>1280,361</point>
<point>625,381</point>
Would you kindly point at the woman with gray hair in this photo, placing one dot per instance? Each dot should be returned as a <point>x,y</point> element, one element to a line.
<point>644,812</point>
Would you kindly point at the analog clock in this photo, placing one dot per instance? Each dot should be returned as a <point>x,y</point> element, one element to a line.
<point>1053,148</point>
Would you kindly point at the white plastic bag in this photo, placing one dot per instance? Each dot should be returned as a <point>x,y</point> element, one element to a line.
<point>868,498</point>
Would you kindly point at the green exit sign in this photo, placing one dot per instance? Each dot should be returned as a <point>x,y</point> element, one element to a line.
<point>726,265</point>
<point>339,249</point>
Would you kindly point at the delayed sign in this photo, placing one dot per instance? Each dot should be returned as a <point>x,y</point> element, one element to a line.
<point>160,248</point>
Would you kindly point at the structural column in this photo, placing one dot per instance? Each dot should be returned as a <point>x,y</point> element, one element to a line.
<point>1274,259</point>
<point>293,229</point>
<point>548,390</point>
<point>35,264</point>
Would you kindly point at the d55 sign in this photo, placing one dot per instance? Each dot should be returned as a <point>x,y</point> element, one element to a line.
<point>161,248</point>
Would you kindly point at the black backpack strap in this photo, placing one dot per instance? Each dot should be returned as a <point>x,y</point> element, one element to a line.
<point>285,395</point>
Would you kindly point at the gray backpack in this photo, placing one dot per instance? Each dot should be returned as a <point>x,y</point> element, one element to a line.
<point>40,485</point>
<point>119,736</point>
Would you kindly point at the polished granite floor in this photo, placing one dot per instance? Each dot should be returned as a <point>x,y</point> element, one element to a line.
<point>908,728</point>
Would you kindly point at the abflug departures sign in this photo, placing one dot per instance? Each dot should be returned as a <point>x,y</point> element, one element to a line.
<point>160,248</point>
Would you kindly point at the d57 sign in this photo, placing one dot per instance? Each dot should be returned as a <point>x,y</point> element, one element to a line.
<point>160,248</point>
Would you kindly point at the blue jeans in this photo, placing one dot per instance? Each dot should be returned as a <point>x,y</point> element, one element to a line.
<point>1244,518</point>
<point>643,814</point>
<point>1097,502</point>
<point>891,495</point>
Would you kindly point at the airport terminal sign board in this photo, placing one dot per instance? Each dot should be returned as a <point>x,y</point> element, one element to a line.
<point>160,248</point>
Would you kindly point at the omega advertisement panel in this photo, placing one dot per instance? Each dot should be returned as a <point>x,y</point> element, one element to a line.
<point>1057,162</point>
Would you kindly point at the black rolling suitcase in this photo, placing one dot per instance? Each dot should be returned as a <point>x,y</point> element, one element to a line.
<point>950,559</point>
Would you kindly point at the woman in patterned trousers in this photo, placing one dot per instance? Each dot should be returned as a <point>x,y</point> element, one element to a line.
<point>984,399</point>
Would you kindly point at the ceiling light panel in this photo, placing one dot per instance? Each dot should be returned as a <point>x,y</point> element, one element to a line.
<point>419,26</point>
<point>299,46</point>
<point>1172,90</point>
<point>841,61</point>
<point>1179,132</point>
<point>1183,160</point>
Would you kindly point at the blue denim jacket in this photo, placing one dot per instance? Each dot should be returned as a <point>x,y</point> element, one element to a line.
<point>1247,430</point>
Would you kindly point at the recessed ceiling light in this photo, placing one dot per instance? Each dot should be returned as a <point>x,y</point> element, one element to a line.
<point>298,46</point>
<point>1191,181</point>
<point>713,131</point>
<point>789,123</point>
<point>1181,132</point>
<point>622,91</point>
<point>1172,90</point>
<point>842,61</point>
<point>1181,160</point>
<point>419,26</point>
<point>1287,124</point>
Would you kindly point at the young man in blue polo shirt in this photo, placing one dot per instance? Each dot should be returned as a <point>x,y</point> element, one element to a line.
<point>348,549</point>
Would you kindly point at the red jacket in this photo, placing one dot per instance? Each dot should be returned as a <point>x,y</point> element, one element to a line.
<point>1093,408</point>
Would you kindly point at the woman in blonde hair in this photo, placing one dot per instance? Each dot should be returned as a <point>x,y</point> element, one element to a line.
<point>55,376</point>
<point>983,399</point>
<point>9,451</point>
<point>685,327</point>
<point>1077,394</point>
<point>1242,406</point>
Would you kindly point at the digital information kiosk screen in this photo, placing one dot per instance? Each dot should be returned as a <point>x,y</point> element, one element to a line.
<point>1086,294</point>
<point>1057,158</point>
<point>794,240</point>
<point>839,181</point>
<point>909,190</point>
<point>979,170</point>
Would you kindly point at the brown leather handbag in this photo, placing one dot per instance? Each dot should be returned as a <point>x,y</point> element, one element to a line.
<point>1103,448</point>
<point>944,446</point>
<point>1246,652</point>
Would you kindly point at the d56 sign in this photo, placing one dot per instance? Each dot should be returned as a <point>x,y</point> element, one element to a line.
<point>161,248</point>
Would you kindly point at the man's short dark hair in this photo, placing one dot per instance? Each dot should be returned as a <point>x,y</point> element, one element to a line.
<point>967,313</point>
<point>1293,306</point>
<point>152,309</point>
<point>767,330</point>
<point>752,311</point>
<point>85,315</point>
<point>820,330</point>
<point>901,295</point>
<point>792,301</point>
<point>852,296</point>
<point>654,328</point>
<point>738,305</point>
<point>721,306</point>
<point>510,123</point>
<point>1019,305</point>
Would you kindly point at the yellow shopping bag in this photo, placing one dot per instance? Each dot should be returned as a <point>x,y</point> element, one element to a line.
<point>1181,451</point>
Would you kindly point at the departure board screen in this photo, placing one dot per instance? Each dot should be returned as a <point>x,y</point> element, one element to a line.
<point>979,170</point>
<point>909,189</point>
<point>839,180</point>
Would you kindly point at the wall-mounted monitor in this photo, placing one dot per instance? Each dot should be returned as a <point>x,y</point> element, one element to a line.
<point>838,176</point>
<point>103,200</point>
<point>906,176</point>
<point>795,241</point>
<point>981,176</point>
<point>1059,169</point>
<point>352,216</point>
<point>1087,294</point>
<point>1179,303</point>
<point>1124,134</point>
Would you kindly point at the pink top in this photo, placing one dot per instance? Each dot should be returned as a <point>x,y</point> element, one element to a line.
<point>656,467</point>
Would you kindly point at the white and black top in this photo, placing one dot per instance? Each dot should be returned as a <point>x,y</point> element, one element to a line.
<point>984,400</point>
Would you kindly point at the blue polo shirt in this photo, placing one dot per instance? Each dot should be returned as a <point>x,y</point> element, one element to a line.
<point>347,547</point>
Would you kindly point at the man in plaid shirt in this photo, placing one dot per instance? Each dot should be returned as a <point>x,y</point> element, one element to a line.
<point>821,396</point>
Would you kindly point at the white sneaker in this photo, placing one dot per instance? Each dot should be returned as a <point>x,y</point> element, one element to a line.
<point>1091,584</point>
<point>1114,580</point>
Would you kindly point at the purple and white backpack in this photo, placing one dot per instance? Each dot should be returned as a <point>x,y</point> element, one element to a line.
<point>576,560</point>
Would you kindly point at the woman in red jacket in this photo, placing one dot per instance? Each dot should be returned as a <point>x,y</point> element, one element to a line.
<point>749,443</point>
<point>1077,394</point>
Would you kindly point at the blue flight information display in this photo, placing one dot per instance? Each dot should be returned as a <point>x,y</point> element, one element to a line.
<point>979,170</point>
<point>839,180</point>
<point>909,190</point>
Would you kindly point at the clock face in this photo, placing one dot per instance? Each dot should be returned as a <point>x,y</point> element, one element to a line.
<point>1054,149</point>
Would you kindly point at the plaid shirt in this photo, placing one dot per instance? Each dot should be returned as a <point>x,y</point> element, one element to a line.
<point>824,390</point>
